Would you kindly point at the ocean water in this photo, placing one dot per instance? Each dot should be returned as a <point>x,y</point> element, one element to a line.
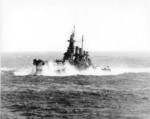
<point>123,93</point>
<point>119,62</point>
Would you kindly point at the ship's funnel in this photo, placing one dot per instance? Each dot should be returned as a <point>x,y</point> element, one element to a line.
<point>84,52</point>
<point>77,50</point>
<point>81,52</point>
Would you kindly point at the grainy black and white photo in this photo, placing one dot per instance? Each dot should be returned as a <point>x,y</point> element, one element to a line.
<point>75,59</point>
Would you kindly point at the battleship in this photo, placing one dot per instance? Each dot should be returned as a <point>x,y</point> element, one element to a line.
<point>75,56</point>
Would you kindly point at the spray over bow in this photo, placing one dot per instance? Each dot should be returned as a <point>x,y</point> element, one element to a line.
<point>74,55</point>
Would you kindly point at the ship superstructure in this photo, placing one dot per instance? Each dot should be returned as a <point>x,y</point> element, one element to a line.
<point>74,55</point>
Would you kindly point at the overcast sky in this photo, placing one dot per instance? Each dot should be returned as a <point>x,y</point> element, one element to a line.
<point>45,25</point>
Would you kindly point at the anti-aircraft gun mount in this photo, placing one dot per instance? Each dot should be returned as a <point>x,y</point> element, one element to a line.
<point>74,55</point>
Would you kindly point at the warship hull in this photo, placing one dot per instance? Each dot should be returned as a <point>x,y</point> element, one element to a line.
<point>74,55</point>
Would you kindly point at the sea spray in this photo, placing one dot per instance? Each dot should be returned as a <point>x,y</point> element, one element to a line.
<point>6,69</point>
<point>24,71</point>
<point>53,69</point>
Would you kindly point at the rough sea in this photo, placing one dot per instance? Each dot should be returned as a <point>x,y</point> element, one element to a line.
<point>119,62</point>
<point>123,93</point>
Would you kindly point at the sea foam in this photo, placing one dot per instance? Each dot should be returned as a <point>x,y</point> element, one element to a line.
<point>52,69</point>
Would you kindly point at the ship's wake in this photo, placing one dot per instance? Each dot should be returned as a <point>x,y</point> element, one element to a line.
<point>52,69</point>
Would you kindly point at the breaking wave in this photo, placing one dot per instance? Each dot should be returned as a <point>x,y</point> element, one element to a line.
<point>24,71</point>
<point>52,69</point>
